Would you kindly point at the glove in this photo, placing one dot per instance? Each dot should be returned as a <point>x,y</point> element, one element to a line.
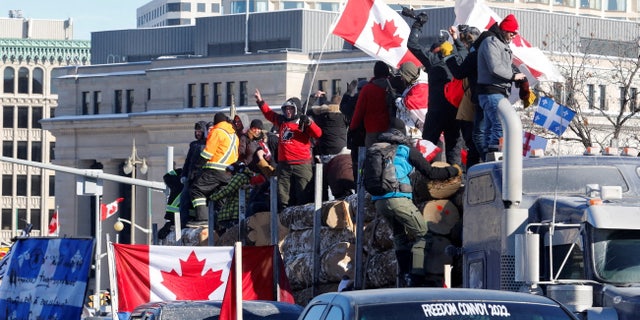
<point>304,119</point>
<point>530,100</point>
<point>407,12</point>
<point>455,170</point>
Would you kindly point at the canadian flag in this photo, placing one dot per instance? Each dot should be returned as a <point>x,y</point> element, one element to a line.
<point>531,142</point>
<point>160,273</point>
<point>257,280</point>
<point>54,225</point>
<point>107,210</point>
<point>375,28</point>
<point>530,60</point>
<point>428,149</point>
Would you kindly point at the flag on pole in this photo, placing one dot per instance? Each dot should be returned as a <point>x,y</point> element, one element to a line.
<point>161,273</point>
<point>477,14</point>
<point>54,224</point>
<point>532,142</point>
<point>257,280</point>
<point>373,27</point>
<point>553,116</point>
<point>107,210</point>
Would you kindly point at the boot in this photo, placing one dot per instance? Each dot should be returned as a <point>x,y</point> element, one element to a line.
<point>202,217</point>
<point>404,268</point>
<point>266,169</point>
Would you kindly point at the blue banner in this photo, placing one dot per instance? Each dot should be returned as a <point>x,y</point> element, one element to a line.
<point>46,278</point>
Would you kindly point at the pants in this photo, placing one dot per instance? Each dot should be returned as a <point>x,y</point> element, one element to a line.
<point>442,119</point>
<point>408,227</point>
<point>466,128</point>
<point>209,181</point>
<point>294,184</point>
<point>492,124</point>
<point>478,133</point>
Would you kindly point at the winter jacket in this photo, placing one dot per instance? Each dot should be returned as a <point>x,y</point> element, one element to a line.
<point>195,147</point>
<point>407,158</point>
<point>415,101</point>
<point>294,144</point>
<point>221,149</point>
<point>334,129</point>
<point>495,67</point>
<point>371,108</point>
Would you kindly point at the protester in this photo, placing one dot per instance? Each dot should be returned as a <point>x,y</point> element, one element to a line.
<point>294,169</point>
<point>469,116</point>
<point>227,217</point>
<point>412,105</point>
<point>372,112</point>
<point>441,118</point>
<point>220,151</point>
<point>409,228</point>
<point>355,138</point>
<point>496,73</point>
<point>189,172</point>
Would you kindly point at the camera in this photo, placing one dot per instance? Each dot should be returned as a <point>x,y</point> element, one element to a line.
<point>463,28</point>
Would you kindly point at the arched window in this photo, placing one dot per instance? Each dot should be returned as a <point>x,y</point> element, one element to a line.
<point>37,80</point>
<point>9,77</point>
<point>23,80</point>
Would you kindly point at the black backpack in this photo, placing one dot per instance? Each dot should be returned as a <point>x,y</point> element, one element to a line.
<point>379,171</point>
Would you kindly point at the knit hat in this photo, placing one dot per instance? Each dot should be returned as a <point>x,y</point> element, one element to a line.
<point>409,72</point>
<point>446,48</point>
<point>381,69</point>
<point>219,117</point>
<point>256,123</point>
<point>509,24</point>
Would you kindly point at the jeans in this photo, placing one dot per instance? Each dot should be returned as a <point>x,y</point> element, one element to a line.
<point>478,133</point>
<point>492,124</point>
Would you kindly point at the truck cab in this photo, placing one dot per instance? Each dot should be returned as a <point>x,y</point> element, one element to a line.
<point>573,235</point>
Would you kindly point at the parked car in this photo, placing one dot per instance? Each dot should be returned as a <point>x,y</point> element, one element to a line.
<point>210,310</point>
<point>433,303</point>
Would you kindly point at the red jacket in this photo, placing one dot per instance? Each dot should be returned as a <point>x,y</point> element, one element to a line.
<point>371,107</point>
<point>294,145</point>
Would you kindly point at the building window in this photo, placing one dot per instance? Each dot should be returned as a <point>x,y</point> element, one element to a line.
<point>336,89</point>
<point>7,117</point>
<point>23,80</point>
<point>86,100</point>
<point>7,149</point>
<point>9,80</point>
<point>323,85</point>
<point>22,150</point>
<point>633,99</point>
<point>52,147</point>
<point>244,94</point>
<point>191,95</point>
<point>173,7</point>
<point>201,7</point>
<point>204,94</point>
<point>117,101</point>
<point>97,101</point>
<point>7,218</point>
<point>217,94</point>
<point>23,117</point>
<point>7,187</point>
<point>52,186</point>
<point>557,92</point>
<point>623,98</point>
<point>603,97</point>
<point>37,81</point>
<point>173,22</point>
<point>329,6</point>
<point>35,219</point>
<point>36,185</point>
<point>21,185</point>
<point>591,96</point>
<point>36,151</point>
<point>130,100</point>
<point>215,7</point>
<point>230,93</point>
<point>36,116</point>
<point>292,5</point>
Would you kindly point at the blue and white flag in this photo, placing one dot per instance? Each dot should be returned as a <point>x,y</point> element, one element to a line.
<point>552,116</point>
<point>46,278</point>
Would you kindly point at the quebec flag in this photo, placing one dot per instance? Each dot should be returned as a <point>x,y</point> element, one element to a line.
<point>552,116</point>
<point>46,278</point>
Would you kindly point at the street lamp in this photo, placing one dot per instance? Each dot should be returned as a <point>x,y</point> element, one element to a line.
<point>130,167</point>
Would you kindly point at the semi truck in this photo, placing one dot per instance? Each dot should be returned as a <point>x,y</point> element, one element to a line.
<point>567,227</point>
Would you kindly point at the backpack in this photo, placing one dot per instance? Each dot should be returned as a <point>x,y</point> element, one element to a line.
<point>379,173</point>
<point>454,91</point>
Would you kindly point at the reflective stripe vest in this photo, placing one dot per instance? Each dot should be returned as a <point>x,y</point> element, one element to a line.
<point>221,149</point>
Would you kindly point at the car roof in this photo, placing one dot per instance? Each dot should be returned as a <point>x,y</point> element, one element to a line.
<point>193,309</point>
<point>391,295</point>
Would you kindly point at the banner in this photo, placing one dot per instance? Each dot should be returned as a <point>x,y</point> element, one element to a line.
<point>162,273</point>
<point>373,27</point>
<point>46,278</point>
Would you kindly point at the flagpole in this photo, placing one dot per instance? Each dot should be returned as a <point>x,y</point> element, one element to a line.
<point>238,275</point>
<point>97,271</point>
<point>113,284</point>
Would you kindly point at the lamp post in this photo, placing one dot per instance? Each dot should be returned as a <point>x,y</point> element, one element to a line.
<point>130,167</point>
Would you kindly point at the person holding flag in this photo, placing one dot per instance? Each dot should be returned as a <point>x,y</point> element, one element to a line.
<point>496,73</point>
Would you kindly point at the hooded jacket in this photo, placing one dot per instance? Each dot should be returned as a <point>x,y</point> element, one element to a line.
<point>221,149</point>
<point>495,63</point>
<point>195,147</point>
<point>294,141</point>
<point>334,129</point>
<point>371,108</point>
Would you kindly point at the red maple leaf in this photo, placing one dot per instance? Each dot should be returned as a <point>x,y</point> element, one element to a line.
<point>385,36</point>
<point>192,285</point>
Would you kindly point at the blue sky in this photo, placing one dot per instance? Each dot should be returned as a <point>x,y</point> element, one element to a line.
<point>88,15</point>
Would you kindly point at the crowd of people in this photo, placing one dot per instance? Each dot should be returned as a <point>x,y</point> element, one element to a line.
<point>225,156</point>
